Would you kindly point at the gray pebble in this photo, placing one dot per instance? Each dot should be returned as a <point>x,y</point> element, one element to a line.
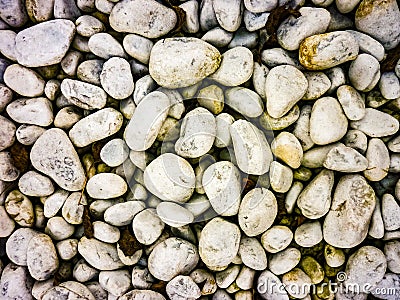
<point>82,94</point>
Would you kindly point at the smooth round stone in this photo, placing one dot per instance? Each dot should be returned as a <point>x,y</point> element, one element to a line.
<point>70,290</point>
<point>173,214</point>
<point>82,94</point>
<point>318,84</point>
<point>252,254</point>
<point>352,102</point>
<point>87,25</point>
<point>105,232</point>
<point>198,205</point>
<point>212,98</point>
<point>378,160</point>
<point>287,148</point>
<point>106,186</point>
<point>223,136</point>
<point>270,287</point>
<point>138,47</point>
<point>257,211</point>
<point>364,72</point>
<point>142,294</point>
<point>244,101</point>
<point>73,208</point>
<point>7,132</point>
<point>392,251</point>
<point>147,121</point>
<point>16,282</point>
<point>96,126</point>
<point>226,277</point>
<point>57,35</point>
<point>222,184</point>
<point>324,51</point>
<point>59,229</point>
<point>42,257</point>
<point>296,279</point>
<point>294,191</point>
<point>278,56</point>
<point>116,78</point>
<point>17,245</point>
<point>147,18</point>
<point>182,287</point>
<point>67,249</point>
<point>219,243</point>
<point>334,257</point>
<point>356,139</point>
<point>172,257</point>
<point>8,172</point>
<point>376,123</point>
<point>114,153</point>
<point>35,111</point>
<point>260,73</point>
<point>104,45</point>
<point>143,87</point>
<point>285,86</point>
<point>89,71</point>
<point>380,20</point>
<point>182,62</point>
<point>122,214</point>
<point>254,21</point>
<point>147,226</point>
<point>260,6</point>
<point>197,133</point>
<point>308,234</point>
<point>328,123</point>
<point>20,208</point>
<point>390,209</point>
<point>7,224</point>
<point>245,279</point>
<point>100,255</point>
<point>115,282</point>
<point>293,30</point>
<point>276,238</point>
<point>252,151</point>
<point>281,177</point>
<point>346,226</point>
<point>345,159</point>
<point>35,184</point>
<point>28,134</point>
<point>170,178</point>
<point>217,36</point>
<point>228,14</point>
<point>389,85</point>
<point>236,67</point>
<point>368,44</point>
<point>54,203</point>
<point>70,62</point>
<point>284,261</point>
<point>366,266</point>
<point>54,155</point>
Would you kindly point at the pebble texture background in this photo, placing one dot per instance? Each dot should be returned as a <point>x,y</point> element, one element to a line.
<point>199,149</point>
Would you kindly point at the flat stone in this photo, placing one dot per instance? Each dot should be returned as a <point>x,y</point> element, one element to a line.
<point>346,224</point>
<point>257,211</point>
<point>285,86</point>
<point>296,279</point>
<point>28,134</point>
<point>366,266</point>
<point>95,127</point>
<point>368,44</point>
<point>121,214</point>
<point>104,45</point>
<point>147,18</point>
<point>254,21</point>
<point>276,238</point>
<point>281,177</point>
<point>42,259</point>
<point>244,101</point>
<point>376,123</point>
<point>308,234</point>
<point>345,159</point>
<point>116,78</point>
<point>16,283</point>
<point>288,148</point>
<point>318,84</point>
<point>106,186</point>
<point>57,35</point>
<point>172,257</point>
<point>87,25</point>
<point>236,67</point>
<point>293,30</point>
<point>381,20</point>
<point>100,255</point>
<point>284,261</point>
<point>324,51</point>
<point>378,160</point>
<point>222,185</point>
<point>69,289</point>
<point>89,71</point>
<point>114,153</point>
<point>252,254</point>
<point>252,151</point>
<point>174,214</point>
<point>83,95</point>
<point>197,133</point>
<point>268,292</point>
<point>24,81</point>
<point>389,85</point>
<point>146,121</point>
<point>54,203</point>
<point>212,98</point>
<point>35,184</point>
<point>59,229</point>
<point>35,111</point>
<point>147,226</point>
<point>67,249</point>
<point>328,123</point>
<point>217,36</point>
<point>364,72</point>
<point>138,47</point>
<point>228,13</point>
<point>17,245</point>
<point>219,243</point>
<point>352,102</point>
<point>54,155</point>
